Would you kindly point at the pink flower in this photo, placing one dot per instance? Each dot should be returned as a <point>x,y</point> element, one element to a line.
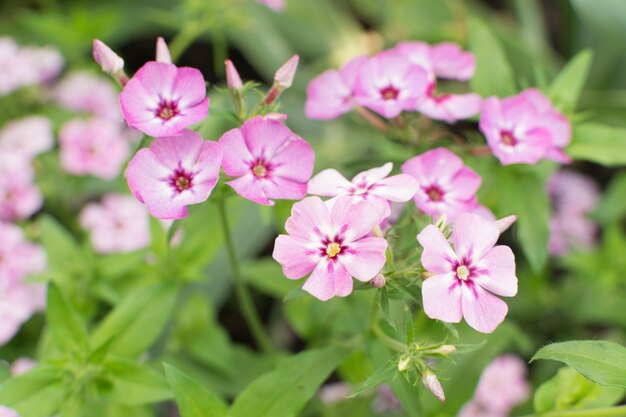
<point>285,74</point>
<point>388,83</point>
<point>22,365</point>
<point>332,245</point>
<point>430,381</point>
<point>162,51</point>
<point>446,185</point>
<point>162,99</point>
<point>26,66</point>
<point>46,62</point>
<point>174,172</point>
<point>19,196</point>
<point>232,76</point>
<point>464,277</point>
<point>26,138</point>
<point>386,401</point>
<point>331,93</point>
<point>7,412</point>
<point>276,5</point>
<point>372,185</point>
<point>109,61</point>
<point>93,147</point>
<point>118,224</point>
<point>87,93</point>
<point>525,128</point>
<point>444,60</point>
<point>270,160</point>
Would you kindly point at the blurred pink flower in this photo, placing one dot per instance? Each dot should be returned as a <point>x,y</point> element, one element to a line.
<point>174,172</point>
<point>388,83</point>
<point>449,61</point>
<point>286,73</point>
<point>447,186</point>
<point>118,224</point>
<point>162,99</point>
<point>93,147</point>
<point>386,401</point>
<point>19,196</point>
<point>573,196</point>
<point>88,93</point>
<point>8,412</point>
<point>372,185</point>
<point>525,128</point>
<point>22,365</point>
<point>334,392</point>
<point>464,277</point>
<point>270,160</point>
<point>27,137</point>
<point>46,62</point>
<point>276,5</point>
<point>332,245</point>
<point>331,93</point>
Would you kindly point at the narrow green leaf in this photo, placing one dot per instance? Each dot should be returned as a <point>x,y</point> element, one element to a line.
<point>284,391</point>
<point>135,384</point>
<point>36,393</point>
<point>138,320</point>
<point>384,372</point>
<point>602,362</point>
<point>565,89</point>
<point>612,208</point>
<point>64,324</point>
<point>599,143</point>
<point>385,308</point>
<point>494,76</point>
<point>192,398</point>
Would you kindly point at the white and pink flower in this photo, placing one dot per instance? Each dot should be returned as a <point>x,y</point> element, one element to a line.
<point>333,245</point>
<point>27,137</point>
<point>19,196</point>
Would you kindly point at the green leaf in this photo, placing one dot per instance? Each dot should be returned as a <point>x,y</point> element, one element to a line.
<point>192,398</point>
<point>384,372</point>
<point>385,309</point>
<point>138,320</point>
<point>494,75</point>
<point>570,390</point>
<point>64,253</point>
<point>602,362</point>
<point>135,384</point>
<point>34,394</point>
<point>64,323</point>
<point>599,143</point>
<point>612,208</point>
<point>267,276</point>
<point>284,391</point>
<point>565,89</point>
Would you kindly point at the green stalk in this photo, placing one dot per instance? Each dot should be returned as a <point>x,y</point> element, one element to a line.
<point>594,412</point>
<point>242,292</point>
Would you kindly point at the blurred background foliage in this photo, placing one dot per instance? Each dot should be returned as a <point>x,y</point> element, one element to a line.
<point>579,296</point>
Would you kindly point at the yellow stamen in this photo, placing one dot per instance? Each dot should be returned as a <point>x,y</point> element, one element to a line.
<point>259,170</point>
<point>462,272</point>
<point>333,249</point>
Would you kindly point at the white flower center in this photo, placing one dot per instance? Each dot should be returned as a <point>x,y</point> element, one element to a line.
<point>462,272</point>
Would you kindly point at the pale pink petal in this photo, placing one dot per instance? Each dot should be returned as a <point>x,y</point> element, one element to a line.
<point>397,188</point>
<point>329,279</point>
<point>248,186</point>
<point>482,311</point>
<point>264,137</point>
<point>450,61</point>
<point>365,258</point>
<point>329,182</point>
<point>328,97</point>
<point>354,220</point>
<point>473,236</point>
<point>496,271</point>
<point>237,157</point>
<point>464,184</point>
<point>297,257</point>
<point>283,188</point>
<point>441,297</point>
<point>294,161</point>
<point>310,219</point>
<point>373,175</point>
<point>439,163</point>
<point>437,256</point>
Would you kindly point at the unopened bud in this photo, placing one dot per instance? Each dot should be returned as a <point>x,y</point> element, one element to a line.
<point>431,382</point>
<point>279,117</point>
<point>505,222</point>
<point>378,281</point>
<point>445,349</point>
<point>232,76</point>
<point>162,51</point>
<point>109,61</point>
<point>403,363</point>
<point>285,74</point>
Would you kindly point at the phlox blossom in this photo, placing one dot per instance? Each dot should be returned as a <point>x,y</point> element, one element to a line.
<point>162,99</point>
<point>8,412</point>
<point>19,196</point>
<point>525,128</point>
<point>388,83</point>
<point>333,245</point>
<point>22,365</point>
<point>118,224</point>
<point>27,137</point>
<point>174,172</point>
<point>372,185</point>
<point>465,275</point>
<point>85,92</point>
<point>447,186</point>
<point>270,161</point>
<point>95,147</point>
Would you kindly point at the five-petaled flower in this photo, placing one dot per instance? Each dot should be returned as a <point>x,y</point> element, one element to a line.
<point>162,99</point>
<point>174,172</point>
<point>464,277</point>
<point>270,161</point>
<point>331,244</point>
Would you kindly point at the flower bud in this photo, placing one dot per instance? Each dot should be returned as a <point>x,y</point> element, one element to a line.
<point>162,51</point>
<point>108,60</point>
<point>232,76</point>
<point>505,222</point>
<point>431,382</point>
<point>279,117</point>
<point>285,74</point>
<point>445,349</point>
<point>404,362</point>
<point>378,281</point>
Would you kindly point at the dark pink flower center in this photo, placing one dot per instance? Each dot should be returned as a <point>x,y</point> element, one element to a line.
<point>507,138</point>
<point>389,93</point>
<point>332,248</point>
<point>434,193</point>
<point>181,180</point>
<point>260,168</point>
<point>167,109</point>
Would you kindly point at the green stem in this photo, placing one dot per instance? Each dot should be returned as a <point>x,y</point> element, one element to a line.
<point>241,290</point>
<point>597,412</point>
<point>384,338</point>
<point>184,39</point>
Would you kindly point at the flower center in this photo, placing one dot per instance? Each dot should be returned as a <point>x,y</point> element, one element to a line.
<point>507,138</point>
<point>462,272</point>
<point>167,110</point>
<point>333,250</point>
<point>434,193</point>
<point>259,170</point>
<point>389,93</point>
<point>181,180</point>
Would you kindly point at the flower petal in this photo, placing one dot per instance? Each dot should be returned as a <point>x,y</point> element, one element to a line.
<point>482,311</point>
<point>354,220</point>
<point>329,182</point>
<point>397,188</point>
<point>237,157</point>
<point>296,256</point>
<point>248,186</point>
<point>310,220</point>
<point>437,256</point>
<point>364,258</point>
<point>473,236</point>
<point>328,279</point>
<point>441,296</point>
<point>497,271</point>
